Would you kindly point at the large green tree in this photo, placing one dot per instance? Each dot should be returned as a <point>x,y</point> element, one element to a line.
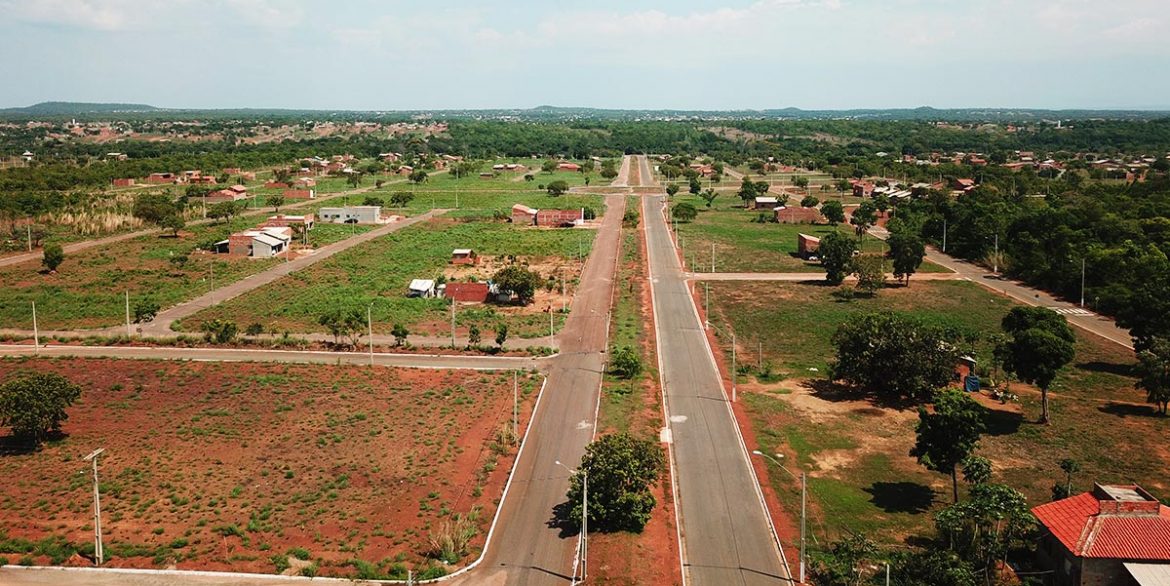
<point>1041,343</point>
<point>894,356</point>
<point>994,520</point>
<point>833,212</point>
<point>620,470</point>
<point>836,252</point>
<point>906,253</point>
<point>1154,372</point>
<point>949,434</point>
<point>33,404</point>
<point>518,280</point>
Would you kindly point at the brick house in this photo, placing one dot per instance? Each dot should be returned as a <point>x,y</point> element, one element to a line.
<point>260,243</point>
<point>126,182</point>
<point>566,166</point>
<point>798,215</point>
<point>862,189</point>
<point>523,215</point>
<point>806,246</point>
<point>248,176</point>
<point>1087,539</point>
<point>464,256</point>
<point>560,218</point>
<point>283,221</point>
<point>223,195</point>
<point>158,178</point>
<point>276,185</point>
<point>765,203</point>
<point>231,171</point>
<point>467,292</point>
<point>300,194</point>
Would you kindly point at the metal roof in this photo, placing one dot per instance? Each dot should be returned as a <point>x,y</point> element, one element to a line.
<point>1149,574</point>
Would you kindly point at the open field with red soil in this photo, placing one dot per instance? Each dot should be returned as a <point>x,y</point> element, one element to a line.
<point>240,467</point>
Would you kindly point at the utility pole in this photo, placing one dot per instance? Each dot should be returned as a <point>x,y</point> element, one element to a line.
<point>1082,282</point>
<point>28,228</point>
<point>803,519</point>
<point>712,257</point>
<point>944,235</point>
<point>584,524</point>
<point>732,367</point>
<point>551,339</point>
<point>129,332</point>
<point>370,325</point>
<point>563,290</point>
<point>97,507</point>
<point>452,322</point>
<point>995,260</point>
<point>36,332</point>
<point>515,408</point>
<point>707,304</point>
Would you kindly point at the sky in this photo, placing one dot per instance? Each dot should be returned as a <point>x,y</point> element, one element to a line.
<point>680,54</point>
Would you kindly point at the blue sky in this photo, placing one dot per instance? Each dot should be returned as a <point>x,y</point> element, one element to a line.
<point>392,54</point>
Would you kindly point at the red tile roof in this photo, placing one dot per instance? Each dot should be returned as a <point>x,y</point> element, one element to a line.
<point>470,292</point>
<point>1079,524</point>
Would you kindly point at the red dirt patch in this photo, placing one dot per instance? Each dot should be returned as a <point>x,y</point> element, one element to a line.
<point>245,461</point>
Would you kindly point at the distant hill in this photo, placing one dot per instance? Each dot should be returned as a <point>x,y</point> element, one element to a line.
<point>72,108</point>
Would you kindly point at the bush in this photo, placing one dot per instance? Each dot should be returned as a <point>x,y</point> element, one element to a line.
<point>254,329</point>
<point>684,212</point>
<point>220,331</point>
<point>145,309</point>
<point>631,217</point>
<point>449,542</point>
<point>300,553</point>
<point>54,255</point>
<point>557,187</point>
<point>625,363</point>
<point>33,404</point>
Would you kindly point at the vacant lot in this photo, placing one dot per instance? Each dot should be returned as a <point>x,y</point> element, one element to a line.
<point>857,452</point>
<point>222,467</point>
<point>378,273</point>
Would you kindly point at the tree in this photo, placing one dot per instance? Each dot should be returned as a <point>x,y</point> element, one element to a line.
<point>373,200</point>
<point>558,187</point>
<point>894,356</point>
<point>931,568</point>
<point>174,223</point>
<point>848,562</point>
<point>694,186</point>
<point>145,309</point>
<point>1154,373</point>
<point>809,201</point>
<point>671,189</point>
<point>1041,344</point>
<point>32,404</point>
<point>800,181</point>
<point>976,470</point>
<point>179,261</point>
<point>343,323</point>
<point>747,191</point>
<point>906,253</point>
<point>52,256</point>
<point>948,435</point>
<point>417,176</point>
<point>620,469</point>
<point>684,212</point>
<point>400,334</point>
<point>833,212</point>
<point>836,253</point>
<point>152,208</point>
<point>501,335</point>
<point>222,210</point>
<point>625,363</point>
<point>548,166</point>
<point>473,335</point>
<point>529,178</point>
<point>275,200</point>
<point>355,179</point>
<point>994,520</point>
<point>864,217</point>
<point>870,270</point>
<point>518,280</point>
<point>1069,467</point>
<point>709,196</point>
<point>401,199</point>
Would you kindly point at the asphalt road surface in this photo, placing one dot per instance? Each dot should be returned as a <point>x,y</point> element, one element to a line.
<point>726,532</point>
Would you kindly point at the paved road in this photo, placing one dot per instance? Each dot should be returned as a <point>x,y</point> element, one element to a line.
<point>254,355</point>
<point>162,322</point>
<point>726,532</point>
<point>805,277</point>
<point>36,255</point>
<point>526,550</point>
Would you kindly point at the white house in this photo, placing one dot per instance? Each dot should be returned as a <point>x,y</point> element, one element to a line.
<point>421,288</point>
<point>351,215</point>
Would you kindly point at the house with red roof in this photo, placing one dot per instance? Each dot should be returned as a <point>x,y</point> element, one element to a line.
<point>1090,539</point>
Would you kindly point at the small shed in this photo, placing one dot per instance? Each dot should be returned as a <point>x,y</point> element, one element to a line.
<point>464,256</point>
<point>467,292</point>
<point>421,288</point>
<point>807,246</point>
<point>765,203</point>
<point>523,215</point>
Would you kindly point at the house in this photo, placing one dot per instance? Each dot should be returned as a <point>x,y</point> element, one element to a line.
<point>765,203</point>
<point>201,179</point>
<point>276,185</point>
<point>117,156</point>
<point>806,246</point>
<point>467,292</point>
<point>523,215</point>
<point>248,176</point>
<point>390,157</point>
<point>127,182</point>
<point>439,164</point>
<point>464,256</point>
<point>1088,539</point>
<point>566,166</point>
<point>405,170</point>
<point>963,184</point>
<point>798,215</point>
<point>238,189</point>
<point>158,178</point>
<point>283,221</point>
<point>260,243</point>
<point>862,189</point>
<point>231,171</point>
<point>299,194</point>
<point>305,182</point>
<point>223,195</point>
<point>421,288</point>
<point>1147,574</point>
<point>560,218</point>
<point>351,215</point>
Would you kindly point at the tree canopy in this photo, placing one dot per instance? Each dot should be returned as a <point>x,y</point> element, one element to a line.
<point>949,434</point>
<point>33,404</point>
<point>620,469</point>
<point>894,356</point>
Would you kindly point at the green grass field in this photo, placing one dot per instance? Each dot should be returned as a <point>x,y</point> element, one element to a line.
<point>856,451</point>
<point>380,271</point>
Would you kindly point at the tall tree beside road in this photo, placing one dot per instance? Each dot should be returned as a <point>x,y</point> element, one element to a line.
<point>1154,370</point>
<point>275,200</point>
<point>620,469</point>
<point>870,270</point>
<point>709,196</point>
<point>893,356</point>
<point>836,253</point>
<point>33,404</point>
<point>949,434</point>
<point>833,212</point>
<point>519,281</point>
<point>1041,343</point>
<point>864,217</point>
<point>684,212</point>
<point>906,253</point>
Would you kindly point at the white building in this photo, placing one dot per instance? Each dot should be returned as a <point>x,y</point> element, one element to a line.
<point>351,215</point>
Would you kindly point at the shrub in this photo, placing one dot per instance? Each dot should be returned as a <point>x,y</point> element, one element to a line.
<point>254,329</point>
<point>145,309</point>
<point>449,542</point>
<point>220,331</point>
<point>54,255</point>
<point>625,363</point>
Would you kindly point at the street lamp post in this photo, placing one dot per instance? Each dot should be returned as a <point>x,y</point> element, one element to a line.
<point>97,507</point>
<point>803,505</point>
<point>370,325</point>
<point>583,542</point>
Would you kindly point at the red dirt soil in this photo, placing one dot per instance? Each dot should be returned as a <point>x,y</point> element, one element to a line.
<point>345,462</point>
